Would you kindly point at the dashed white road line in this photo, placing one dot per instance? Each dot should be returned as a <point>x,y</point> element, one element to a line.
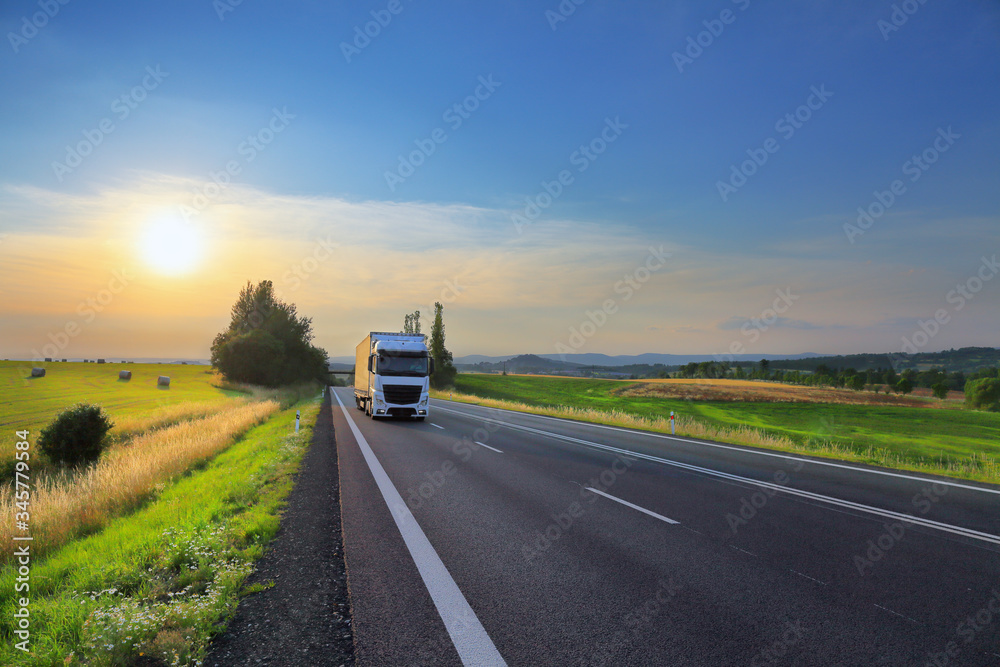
<point>488,447</point>
<point>896,613</point>
<point>635,507</point>
<point>809,578</point>
<point>743,450</point>
<point>907,519</point>
<point>467,633</point>
<point>436,426</point>
<point>744,551</point>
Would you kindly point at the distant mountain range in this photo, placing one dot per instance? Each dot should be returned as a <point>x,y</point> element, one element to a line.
<point>965,359</point>
<point>650,358</point>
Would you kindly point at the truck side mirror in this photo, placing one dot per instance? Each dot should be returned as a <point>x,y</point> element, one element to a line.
<point>430,365</point>
<point>371,363</point>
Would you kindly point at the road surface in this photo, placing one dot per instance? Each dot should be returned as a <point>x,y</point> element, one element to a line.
<point>492,537</point>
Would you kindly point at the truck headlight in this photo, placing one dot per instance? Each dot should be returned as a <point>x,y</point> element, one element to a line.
<point>379,401</point>
<point>423,402</point>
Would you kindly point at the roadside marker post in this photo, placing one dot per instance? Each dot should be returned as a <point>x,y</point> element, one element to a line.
<point>671,422</point>
<point>297,415</point>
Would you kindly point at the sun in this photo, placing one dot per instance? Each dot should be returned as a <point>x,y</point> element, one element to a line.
<point>171,246</point>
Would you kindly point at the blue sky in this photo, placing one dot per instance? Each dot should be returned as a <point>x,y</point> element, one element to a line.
<point>556,85</point>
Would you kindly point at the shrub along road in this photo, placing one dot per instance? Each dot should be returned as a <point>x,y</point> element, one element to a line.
<point>302,617</point>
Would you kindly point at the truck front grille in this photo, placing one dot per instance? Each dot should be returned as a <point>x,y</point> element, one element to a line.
<point>401,394</point>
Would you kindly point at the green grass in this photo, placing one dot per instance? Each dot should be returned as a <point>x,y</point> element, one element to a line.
<point>161,581</point>
<point>915,437</point>
<point>32,403</point>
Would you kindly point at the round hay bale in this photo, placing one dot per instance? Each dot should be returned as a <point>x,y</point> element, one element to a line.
<point>124,375</point>
<point>37,372</point>
<point>163,381</point>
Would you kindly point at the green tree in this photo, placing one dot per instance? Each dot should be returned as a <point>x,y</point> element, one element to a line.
<point>411,323</point>
<point>904,386</point>
<point>444,369</point>
<point>76,436</point>
<point>940,390</point>
<point>267,342</point>
<point>983,394</point>
<point>764,365</point>
<point>856,382</point>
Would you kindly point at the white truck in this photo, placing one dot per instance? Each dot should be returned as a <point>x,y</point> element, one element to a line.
<point>392,375</point>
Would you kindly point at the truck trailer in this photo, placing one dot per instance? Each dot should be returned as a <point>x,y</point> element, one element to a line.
<point>392,375</point>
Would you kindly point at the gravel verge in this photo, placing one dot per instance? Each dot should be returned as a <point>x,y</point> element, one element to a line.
<point>304,618</point>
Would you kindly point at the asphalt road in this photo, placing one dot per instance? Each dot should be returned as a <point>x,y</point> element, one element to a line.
<point>555,542</point>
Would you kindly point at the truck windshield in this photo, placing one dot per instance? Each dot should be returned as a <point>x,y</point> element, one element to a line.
<point>390,363</point>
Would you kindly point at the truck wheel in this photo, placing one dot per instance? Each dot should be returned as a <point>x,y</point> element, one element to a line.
<point>419,419</point>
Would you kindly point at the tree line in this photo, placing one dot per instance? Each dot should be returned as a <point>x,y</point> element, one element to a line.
<point>982,387</point>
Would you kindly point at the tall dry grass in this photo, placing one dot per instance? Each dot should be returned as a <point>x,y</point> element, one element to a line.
<point>129,426</point>
<point>65,505</point>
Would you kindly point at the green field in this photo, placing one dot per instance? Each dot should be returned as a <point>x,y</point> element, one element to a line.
<point>31,403</point>
<point>917,437</point>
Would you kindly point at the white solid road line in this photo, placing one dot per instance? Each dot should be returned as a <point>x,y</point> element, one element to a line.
<point>905,518</point>
<point>635,507</point>
<point>488,447</point>
<point>474,646</point>
<point>745,450</point>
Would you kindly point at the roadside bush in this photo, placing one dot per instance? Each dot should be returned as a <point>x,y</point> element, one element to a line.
<point>76,436</point>
<point>983,394</point>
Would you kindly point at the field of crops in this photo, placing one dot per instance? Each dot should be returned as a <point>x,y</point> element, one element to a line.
<point>915,434</point>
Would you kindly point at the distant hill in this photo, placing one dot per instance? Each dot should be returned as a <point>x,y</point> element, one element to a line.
<point>966,360</point>
<point>524,363</point>
<point>649,358</point>
<point>652,358</point>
